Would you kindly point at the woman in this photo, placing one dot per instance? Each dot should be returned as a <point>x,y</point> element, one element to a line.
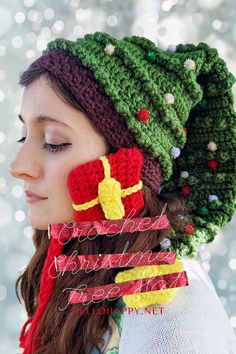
<point>119,130</point>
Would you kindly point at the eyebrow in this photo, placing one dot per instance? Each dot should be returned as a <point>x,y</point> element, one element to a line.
<point>42,118</point>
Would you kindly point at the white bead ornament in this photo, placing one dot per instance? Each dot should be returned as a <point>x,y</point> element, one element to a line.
<point>169,98</point>
<point>212,197</point>
<point>184,174</point>
<point>165,243</point>
<point>190,64</point>
<point>175,152</point>
<point>21,350</point>
<point>171,48</point>
<point>212,146</point>
<point>109,49</point>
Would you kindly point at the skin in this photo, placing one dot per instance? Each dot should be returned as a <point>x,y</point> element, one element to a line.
<point>45,172</point>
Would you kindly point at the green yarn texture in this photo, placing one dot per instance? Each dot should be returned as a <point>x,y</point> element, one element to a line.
<point>138,75</point>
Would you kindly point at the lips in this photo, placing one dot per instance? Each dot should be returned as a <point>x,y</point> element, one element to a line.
<point>31,197</point>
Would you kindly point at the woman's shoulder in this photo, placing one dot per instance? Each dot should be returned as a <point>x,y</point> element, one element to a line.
<point>194,321</point>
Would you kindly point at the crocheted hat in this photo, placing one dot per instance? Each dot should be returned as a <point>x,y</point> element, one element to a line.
<point>175,104</point>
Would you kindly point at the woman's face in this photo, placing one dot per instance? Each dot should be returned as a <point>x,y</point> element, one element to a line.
<point>44,171</point>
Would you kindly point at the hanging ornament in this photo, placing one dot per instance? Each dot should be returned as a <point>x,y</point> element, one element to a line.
<point>169,98</point>
<point>165,243</point>
<point>171,48</point>
<point>175,152</point>
<point>204,211</point>
<point>189,64</point>
<point>203,103</point>
<point>184,174</point>
<point>109,49</point>
<point>151,56</point>
<point>213,164</point>
<point>185,130</point>
<point>189,229</point>
<point>143,115</point>
<point>186,190</point>
<point>212,198</point>
<point>212,146</point>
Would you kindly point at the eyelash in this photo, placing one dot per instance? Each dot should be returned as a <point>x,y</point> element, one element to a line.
<point>50,147</point>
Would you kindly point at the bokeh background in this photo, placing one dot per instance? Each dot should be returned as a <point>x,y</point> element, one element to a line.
<point>25,28</point>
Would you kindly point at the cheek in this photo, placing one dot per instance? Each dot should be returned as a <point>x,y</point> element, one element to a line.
<point>58,181</point>
<point>61,199</point>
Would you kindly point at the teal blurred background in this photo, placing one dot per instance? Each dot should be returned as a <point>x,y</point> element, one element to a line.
<point>25,28</point>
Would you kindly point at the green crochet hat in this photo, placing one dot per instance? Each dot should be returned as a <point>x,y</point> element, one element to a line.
<point>176,105</point>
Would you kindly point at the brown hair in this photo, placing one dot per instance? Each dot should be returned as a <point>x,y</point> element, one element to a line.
<point>64,332</point>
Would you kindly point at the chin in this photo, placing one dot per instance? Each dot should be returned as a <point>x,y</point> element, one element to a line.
<point>39,226</point>
<point>36,224</point>
<point>41,223</point>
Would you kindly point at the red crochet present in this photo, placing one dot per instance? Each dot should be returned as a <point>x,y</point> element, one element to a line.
<point>109,187</point>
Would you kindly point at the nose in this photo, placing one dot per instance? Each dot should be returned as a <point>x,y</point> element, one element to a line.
<point>25,165</point>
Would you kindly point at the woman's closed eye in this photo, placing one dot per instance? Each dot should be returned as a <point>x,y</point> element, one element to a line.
<point>49,147</point>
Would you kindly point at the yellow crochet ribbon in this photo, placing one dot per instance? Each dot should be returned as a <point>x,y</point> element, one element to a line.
<point>109,194</point>
<point>150,297</point>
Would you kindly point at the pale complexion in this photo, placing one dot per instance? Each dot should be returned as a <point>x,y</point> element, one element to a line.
<point>45,172</point>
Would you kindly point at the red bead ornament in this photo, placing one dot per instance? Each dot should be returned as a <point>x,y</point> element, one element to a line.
<point>185,130</point>
<point>213,163</point>
<point>189,229</point>
<point>143,115</point>
<point>186,190</point>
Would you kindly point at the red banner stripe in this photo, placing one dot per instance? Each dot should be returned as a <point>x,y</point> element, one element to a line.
<point>103,261</point>
<point>109,291</point>
<point>74,229</point>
